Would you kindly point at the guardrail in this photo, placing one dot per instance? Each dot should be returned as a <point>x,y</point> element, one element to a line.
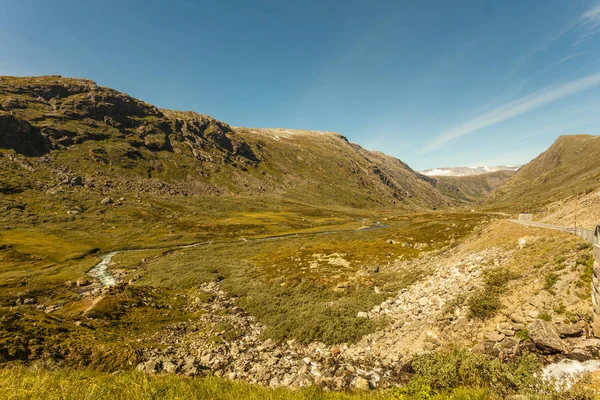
<point>587,234</point>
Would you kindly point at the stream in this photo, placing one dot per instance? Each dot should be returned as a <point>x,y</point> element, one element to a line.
<point>566,373</point>
<point>106,278</point>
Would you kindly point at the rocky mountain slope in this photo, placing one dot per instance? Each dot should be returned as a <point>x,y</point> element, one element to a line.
<point>569,167</point>
<point>468,171</point>
<point>74,128</point>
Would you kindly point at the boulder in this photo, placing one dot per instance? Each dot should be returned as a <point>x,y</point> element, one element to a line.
<point>82,282</point>
<point>546,337</point>
<point>361,384</point>
<point>569,331</point>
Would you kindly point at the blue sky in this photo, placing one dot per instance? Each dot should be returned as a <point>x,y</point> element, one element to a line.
<point>434,83</point>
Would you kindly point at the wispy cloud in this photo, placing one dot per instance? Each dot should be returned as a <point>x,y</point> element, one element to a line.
<point>514,109</point>
<point>567,58</point>
<point>585,26</point>
<point>589,24</point>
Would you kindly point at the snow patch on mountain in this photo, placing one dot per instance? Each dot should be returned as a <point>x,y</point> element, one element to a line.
<point>468,171</point>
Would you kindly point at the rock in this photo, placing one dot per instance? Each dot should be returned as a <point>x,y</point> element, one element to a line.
<point>76,181</point>
<point>82,282</point>
<point>533,314</point>
<point>580,354</point>
<point>362,314</point>
<point>372,269</point>
<point>522,243</point>
<point>150,367</point>
<point>361,384</point>
<point>106,201</point>
<point>19,135</point>
<point>518,318</point>
<point>82,324</point>
<point>494,336</point>
<point>545,337</point>
<point>391,241</point>
<point>169,367</point>
<point>596,326</point>
<point>569,331</point>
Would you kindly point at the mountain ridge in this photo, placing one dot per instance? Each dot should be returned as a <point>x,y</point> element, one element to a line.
<point>101,132</point>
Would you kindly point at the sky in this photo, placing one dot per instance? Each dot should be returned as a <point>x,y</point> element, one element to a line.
<point>434,83</point>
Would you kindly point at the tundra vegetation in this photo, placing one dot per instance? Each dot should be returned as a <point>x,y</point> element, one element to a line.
<point>312,239</point>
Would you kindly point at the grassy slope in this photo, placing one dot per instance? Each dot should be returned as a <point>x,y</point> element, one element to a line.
<point>473,188</point>
<point>570,166</point>
<point>113,137</point>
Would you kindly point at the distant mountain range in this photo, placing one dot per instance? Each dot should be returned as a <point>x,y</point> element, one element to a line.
<point>468,171</point>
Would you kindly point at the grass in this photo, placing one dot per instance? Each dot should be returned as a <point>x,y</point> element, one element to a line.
<point>21,383</point>
<point>453,374</point>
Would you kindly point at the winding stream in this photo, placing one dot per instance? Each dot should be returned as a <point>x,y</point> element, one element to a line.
<point>101,272</point>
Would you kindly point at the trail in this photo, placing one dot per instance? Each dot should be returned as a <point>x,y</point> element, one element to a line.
<point>101,272</point>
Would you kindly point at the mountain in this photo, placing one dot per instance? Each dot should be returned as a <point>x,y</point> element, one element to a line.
<point>569,167</point>
<point>467,171</point>
<point>60,129</point>
<point>472,188</point>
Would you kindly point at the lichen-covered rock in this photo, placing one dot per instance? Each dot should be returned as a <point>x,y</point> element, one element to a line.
<point>546,337</point>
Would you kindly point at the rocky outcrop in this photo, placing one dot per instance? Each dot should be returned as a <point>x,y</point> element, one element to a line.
<point>18,134</point>
<point>76,110</point>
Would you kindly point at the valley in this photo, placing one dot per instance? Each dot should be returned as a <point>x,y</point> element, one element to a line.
<point>152,248</point>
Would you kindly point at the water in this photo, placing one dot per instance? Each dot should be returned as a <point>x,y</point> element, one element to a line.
<point>566,373</point>
<point>100,270</point>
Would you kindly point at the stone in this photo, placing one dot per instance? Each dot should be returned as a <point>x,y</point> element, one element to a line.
<point>494,336</point>
<point>106,201</point>
<point>362,314</point>
<point>546,337</point>
<point>76,181</point>
<point>361,384</point>
<point>570,331</point>
<point>522,243</point>
<point>82,282</point>
<point>596,326</point>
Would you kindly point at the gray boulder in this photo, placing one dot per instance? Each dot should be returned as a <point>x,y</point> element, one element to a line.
<point>546,337</point>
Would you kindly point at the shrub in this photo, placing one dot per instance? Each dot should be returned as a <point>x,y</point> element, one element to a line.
<point>483,304</point>
<point>545,317</point>
<point>523,335</point>
<point>549,281</point>
<point>445,371</point>
<point>486,301</point>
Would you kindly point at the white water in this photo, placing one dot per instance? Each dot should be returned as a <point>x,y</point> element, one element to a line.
<point>566,373</point>
<point>100,270</point>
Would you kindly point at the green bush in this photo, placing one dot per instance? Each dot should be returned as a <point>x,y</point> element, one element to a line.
<point>483,304</point>
<point>486,301</point>
<point>445,371</point>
